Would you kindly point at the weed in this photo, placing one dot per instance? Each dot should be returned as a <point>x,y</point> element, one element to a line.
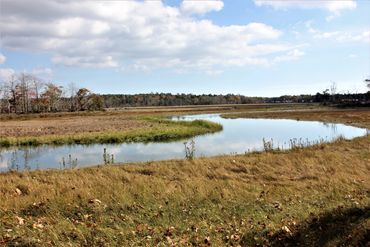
<point>189,150</point>
<point>268,146</point>
<point>107,158</point>
<point>70,163</point>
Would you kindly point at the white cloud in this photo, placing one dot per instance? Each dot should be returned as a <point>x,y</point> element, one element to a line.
<point>359,35</point>
<point>201,6</point>
<point>334,6</point>
<point>86,61</point>
<point>6,73</point>
<point>2,58</point>
<point>44,73</point>
<point>344,36</point>
<point>289,56</point>
<point>41,72</point>
<point>136,34</point>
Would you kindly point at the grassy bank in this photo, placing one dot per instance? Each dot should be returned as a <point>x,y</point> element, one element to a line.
<point>356,117</point>
<point>158,130</point>
<point>316,196</point>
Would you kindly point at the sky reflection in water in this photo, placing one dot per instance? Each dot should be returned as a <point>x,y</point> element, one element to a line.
<point>238,136</point>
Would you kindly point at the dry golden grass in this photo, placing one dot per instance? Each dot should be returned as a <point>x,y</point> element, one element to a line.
<point>125,119</point>
<point>260,198</point>
<point>70,125</point>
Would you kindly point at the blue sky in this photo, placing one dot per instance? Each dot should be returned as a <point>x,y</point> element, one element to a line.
<point>249,47</point>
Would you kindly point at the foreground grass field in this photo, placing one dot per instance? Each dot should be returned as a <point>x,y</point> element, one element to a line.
<point>317,196</point>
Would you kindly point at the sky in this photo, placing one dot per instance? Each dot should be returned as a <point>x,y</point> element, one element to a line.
<point>248,47</point>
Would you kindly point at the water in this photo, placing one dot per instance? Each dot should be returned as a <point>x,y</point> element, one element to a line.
<point>238,136</point>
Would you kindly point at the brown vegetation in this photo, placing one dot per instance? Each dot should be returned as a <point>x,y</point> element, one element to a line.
<point>314,196</point>
<point>70,125</point>
<point>111,120</point>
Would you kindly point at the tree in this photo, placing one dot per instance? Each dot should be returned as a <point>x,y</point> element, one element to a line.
<point>333,90</point>
<point>3,100</point>
<point>51,97</point>
<point>72,91</point>
<point>10,94</point>
<point>82,98</point>
<point>23,91</point>
<point>95,102</point>
<point>36,86</point>
<point>367,82</point>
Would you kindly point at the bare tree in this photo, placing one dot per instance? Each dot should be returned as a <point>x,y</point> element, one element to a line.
<point>367,82</point>
<point>10,93</point>
<point>36,85</point>
<point>72,91</point>
<point>24,91</point>
<point>2,97</point>
<point>333,90</point>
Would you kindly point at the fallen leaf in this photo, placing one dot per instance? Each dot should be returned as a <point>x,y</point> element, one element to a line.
<point>286,229</point>
<point>38,225</point>
<point>95,201</point>
<point>20,220</point>
<point>18,191</point>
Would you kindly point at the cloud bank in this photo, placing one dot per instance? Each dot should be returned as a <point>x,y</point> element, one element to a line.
<point>136,35</point>
<point>334,6</point>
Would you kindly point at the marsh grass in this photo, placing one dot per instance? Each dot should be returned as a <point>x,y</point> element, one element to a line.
<point>313,196</point>
<point>226,200</point>
<point>70,163</point>
<point>107,157</point>
<point>295,144</point>
<point>163,130</point>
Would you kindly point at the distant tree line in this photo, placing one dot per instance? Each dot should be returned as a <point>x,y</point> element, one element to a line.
<point>165,99</point>
<point>26,93</point>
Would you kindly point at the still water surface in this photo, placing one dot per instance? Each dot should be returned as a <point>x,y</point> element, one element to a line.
<point>238,136</point>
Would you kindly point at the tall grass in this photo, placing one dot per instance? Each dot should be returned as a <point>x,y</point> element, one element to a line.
<point>107,157</point>
<point>296,143</point>
<point>224,201</point>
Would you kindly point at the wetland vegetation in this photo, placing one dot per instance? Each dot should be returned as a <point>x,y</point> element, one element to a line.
<point>261,198</point>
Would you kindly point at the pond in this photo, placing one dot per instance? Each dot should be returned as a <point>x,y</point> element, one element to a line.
<point>237,137</point>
